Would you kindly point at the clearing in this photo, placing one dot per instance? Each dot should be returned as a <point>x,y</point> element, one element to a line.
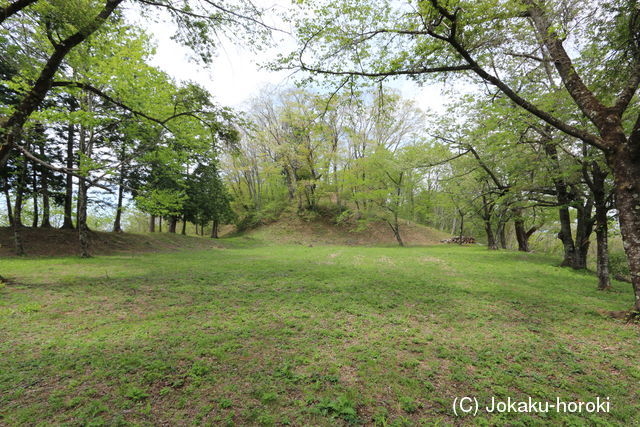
<point>254,333</point>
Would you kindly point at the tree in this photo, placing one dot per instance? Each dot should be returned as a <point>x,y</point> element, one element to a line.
<point>208,199</point>
<point>490,40</point>
<point>66,25</point>
<point>110,109</point>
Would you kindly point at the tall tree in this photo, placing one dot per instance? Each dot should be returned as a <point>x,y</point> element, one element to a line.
<point>490,40</point>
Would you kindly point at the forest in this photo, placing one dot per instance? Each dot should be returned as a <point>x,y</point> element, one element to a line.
<point>148,227</point>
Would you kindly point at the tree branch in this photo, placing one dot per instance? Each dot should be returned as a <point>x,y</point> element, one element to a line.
<point>584,98</point>
<point>12,127</point>
<point>72,172</point>
<point>13,8</point>
<point>625,96</point>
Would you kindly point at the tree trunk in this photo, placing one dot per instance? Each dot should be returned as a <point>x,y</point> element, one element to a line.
<point>7,197</point>
<point>214,229</point>
<point>13,7</point>
<point>625,164</point>
<point>571,252</point>
<point>117,226</point>
<point>68,197</point>
<point>159,224</point>
<point>502,234</point>
<point>44,185</point>
<point>83,230</point>
<point>566,236</point>
<point>584,228</point>
<point>487,213</point>
<point>173,222</point>
<point>596,182</point>
<point>602,240</point>
<point>34,224</point>
<point>396,231</point>
<point>491,239</point>
<point>461,226</point>
<point>184,226</point>
<point>152,224</point>
<point>17,211</point>
<point>521,235</point>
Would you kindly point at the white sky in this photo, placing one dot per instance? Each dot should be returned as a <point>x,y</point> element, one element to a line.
<point>235,76</point>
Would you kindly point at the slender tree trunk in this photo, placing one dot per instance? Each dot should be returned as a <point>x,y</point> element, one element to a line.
<point>152,224</point>
<point>68,197</point>
<point>596,182</point>
<point>17,211</point>
<point>395,227</point>
<point>502,234</point>
<point>7,197</point>
<point>487,208</point>
<point>461,226</point>
<point>34,224</point>
<point>117,223</point>
<point>337,184</point>
<point>173,222</point>
<point>602,239</point>
<point>160,224</point>
<point>46,204</point>
<point>83,230</point>
<point>184,226</point>
<point>214,229</point>
<point>565,235</point>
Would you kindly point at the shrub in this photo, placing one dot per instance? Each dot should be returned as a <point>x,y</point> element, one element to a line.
<point>250,220</point>
<point>618,264</point>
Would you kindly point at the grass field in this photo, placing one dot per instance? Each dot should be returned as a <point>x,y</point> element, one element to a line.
<point>323,335</point>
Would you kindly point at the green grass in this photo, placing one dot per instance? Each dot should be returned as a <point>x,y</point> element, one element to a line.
<point>264,335</point>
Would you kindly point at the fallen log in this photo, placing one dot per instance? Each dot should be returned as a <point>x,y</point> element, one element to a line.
<point>460,240</point>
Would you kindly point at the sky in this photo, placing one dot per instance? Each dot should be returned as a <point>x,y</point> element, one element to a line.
<point>237,74</point>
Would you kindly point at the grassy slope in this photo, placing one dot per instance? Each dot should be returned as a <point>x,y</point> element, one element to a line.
<point>257,334</point>
<point>56,242</point>
<point>291,229</point>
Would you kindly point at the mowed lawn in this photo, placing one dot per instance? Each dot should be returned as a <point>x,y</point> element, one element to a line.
<point>325,335</point>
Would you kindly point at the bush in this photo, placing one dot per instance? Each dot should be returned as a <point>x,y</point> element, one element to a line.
<point>344,217</point>
<point>248,221</point>
<point>253,218</point>
<point>331,211</point>
<point>618,264</point>
<point>273,209</point>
